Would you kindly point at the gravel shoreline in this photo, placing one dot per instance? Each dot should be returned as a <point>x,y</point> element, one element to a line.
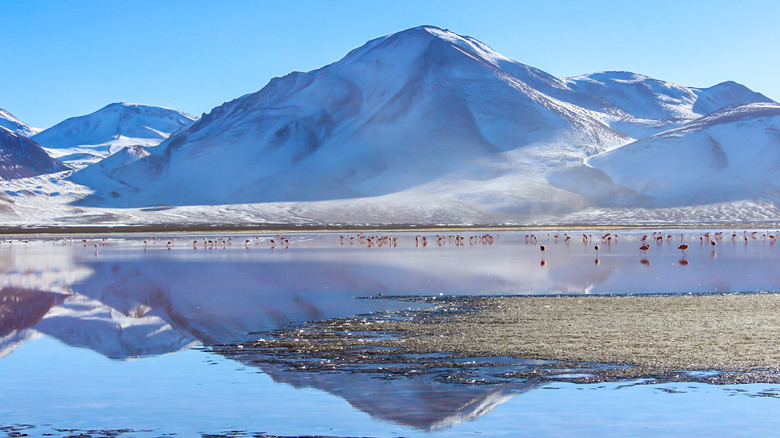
<point>731,332</point>
<point>662,337</point>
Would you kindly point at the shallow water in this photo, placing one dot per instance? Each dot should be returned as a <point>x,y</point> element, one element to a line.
<point>119,336</point>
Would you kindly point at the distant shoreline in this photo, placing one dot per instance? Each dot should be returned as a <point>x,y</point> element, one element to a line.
<point>349,228</point>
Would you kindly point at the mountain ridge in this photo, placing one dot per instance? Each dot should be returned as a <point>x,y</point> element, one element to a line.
<point>114,119</point>
<point>83,140</point>
<point>8,121</point>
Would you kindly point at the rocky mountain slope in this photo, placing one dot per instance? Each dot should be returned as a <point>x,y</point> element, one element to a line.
<point>21,157</point>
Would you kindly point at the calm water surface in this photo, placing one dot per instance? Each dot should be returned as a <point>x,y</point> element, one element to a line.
<point>117,338</point>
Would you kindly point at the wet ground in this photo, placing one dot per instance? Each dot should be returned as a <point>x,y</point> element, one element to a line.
<point>583,339</point>
<point>221,335</point>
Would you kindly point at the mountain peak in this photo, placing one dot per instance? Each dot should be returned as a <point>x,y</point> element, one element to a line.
<point>113,121</point>
<point>466,43</point>
<point>615,75</point>
<point>436,32</point>
<point>645,97</point>
<point>7,120</point>
<point>140,108</point>
<point>417,40</point>
<point>724,94</point>
<point>8,116</point>
<point>121,105</point>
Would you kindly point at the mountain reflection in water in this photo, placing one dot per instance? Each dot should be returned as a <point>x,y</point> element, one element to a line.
<point>127,299</point>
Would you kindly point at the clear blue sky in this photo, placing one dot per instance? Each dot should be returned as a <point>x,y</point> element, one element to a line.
<point>67,58</point>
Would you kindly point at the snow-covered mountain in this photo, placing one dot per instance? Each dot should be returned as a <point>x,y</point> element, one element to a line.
<point>8,121</point>
<point>730,155</point>
<point>83,140</point>
<point>421,126</point>
<point>648,106</point>
<point>642,97</point>
<point>398,112</point>
<point>21,157</point>
<point>420,115</point>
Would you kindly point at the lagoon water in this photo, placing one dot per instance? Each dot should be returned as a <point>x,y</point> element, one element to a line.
<point>120,337</point>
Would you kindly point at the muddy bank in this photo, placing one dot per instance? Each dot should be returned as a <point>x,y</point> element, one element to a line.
<point>659,336</point>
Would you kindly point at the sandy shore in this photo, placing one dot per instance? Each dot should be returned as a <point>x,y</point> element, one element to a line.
<point>659,335</point>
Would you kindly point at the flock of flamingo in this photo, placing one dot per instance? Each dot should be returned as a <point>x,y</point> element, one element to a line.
<point>545,243</point>
<point>278,241</point>
<point>371,240</point>
<point>379,241</point>
<point>660,238</point>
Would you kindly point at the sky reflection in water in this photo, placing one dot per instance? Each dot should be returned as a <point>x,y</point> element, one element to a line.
<point>125,300</point>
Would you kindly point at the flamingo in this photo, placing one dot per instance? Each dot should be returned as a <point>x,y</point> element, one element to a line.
<point>683,247</point>
<point>644,248</point>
